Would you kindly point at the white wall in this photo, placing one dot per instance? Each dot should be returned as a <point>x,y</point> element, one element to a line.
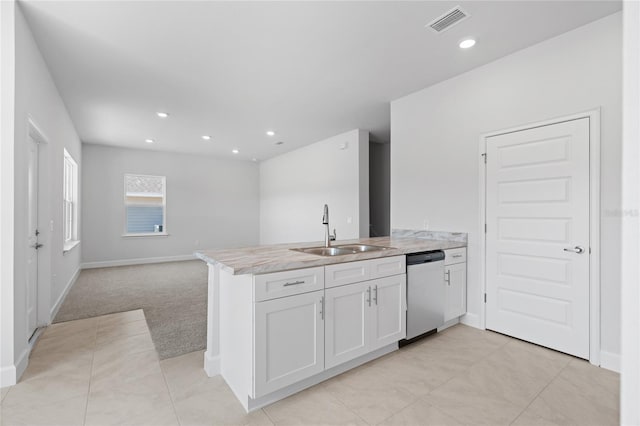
<point>37,98</point>
<point>630,372</point>
<point>211,203</point>
<point>296,185</point>
<point>7,79</point>
<point>435,138</point>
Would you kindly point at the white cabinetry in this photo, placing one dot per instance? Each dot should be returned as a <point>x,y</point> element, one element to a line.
<point>289,341</point>
<point>286,330</point>
<point>364,270</point>
<point>363,317</point>
<point>389,302</point>
<point>455,274</point>
<point>347,322</point>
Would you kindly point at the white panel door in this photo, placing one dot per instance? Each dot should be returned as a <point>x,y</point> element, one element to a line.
<point>389,322</point>
<point>289,341</point>
<point>348,314</point>
<point>32,240</point>
<point>537,241</point>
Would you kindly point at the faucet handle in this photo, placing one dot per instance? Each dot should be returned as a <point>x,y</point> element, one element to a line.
<point>333,237</point>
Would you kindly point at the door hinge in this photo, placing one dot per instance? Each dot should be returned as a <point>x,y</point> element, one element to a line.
<point>37,232</point>
<point>485,298</point>
<point>485,157</point>
<point>485,228</point>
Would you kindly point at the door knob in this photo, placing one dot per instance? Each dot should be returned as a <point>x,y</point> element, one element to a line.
<point>576,249</point>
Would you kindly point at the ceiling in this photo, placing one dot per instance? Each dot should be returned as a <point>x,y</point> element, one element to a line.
<point>233,70</point>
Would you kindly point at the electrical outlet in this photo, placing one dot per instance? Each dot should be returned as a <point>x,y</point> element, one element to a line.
<point>425,224</point>
<point>349,219</point>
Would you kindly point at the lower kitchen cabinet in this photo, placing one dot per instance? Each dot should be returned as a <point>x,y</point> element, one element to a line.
<point>455,291</point>
<point>363,317</point>
<point>347,322</point>
<point>390,320</point>
<point>289,341</point>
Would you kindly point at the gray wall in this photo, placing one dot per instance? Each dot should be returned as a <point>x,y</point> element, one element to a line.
<point>379,188</point>
<point>37,98</point>
<point>435,137</point>
<point>211,203</point>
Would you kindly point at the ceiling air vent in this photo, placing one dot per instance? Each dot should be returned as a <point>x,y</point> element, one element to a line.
<point>448,20</point>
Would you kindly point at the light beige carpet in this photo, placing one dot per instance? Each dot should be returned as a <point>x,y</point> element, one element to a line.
<point>173,296</point>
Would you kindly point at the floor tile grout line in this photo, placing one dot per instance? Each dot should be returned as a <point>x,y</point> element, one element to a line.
<point>342,402</point>
<point>540,392</point>
<point>417,399</point>
<point>268,416</point>
<point>93,355</point>
<point>5,395</point>
<point>166,383</point>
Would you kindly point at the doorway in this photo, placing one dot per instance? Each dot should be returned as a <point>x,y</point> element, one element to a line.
<point>540,246</point>
<point>37,262</point>
<point>32,237</point>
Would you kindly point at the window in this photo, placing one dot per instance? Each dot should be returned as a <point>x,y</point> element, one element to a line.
<point>145,202</point>
<point>70,202</point>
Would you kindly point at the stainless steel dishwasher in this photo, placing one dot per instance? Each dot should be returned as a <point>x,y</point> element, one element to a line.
<point>425,293</point>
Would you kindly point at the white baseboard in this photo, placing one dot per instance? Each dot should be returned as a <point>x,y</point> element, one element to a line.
<point>472,320</point>
<point>56,306</point>
<point>8,376</point>
<point>448,324</point>
<point>22,363</point>
<point>138,261</point>
<point>610,361</point>
<point>211,364</point>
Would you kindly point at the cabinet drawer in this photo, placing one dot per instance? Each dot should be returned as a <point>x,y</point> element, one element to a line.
<point>388,266</point>
<point>287,283</point>
<point>347,273</point>
<point>452,256</point>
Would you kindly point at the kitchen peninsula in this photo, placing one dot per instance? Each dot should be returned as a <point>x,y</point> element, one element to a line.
<point>281,320</point>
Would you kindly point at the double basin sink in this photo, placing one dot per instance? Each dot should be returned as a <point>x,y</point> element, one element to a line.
<point>341,250</point>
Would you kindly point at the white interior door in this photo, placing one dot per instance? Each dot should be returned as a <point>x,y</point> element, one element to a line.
<point>537,243</point>
<point>32,240</point>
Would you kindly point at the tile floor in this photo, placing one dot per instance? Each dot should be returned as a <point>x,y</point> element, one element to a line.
<point>105,371</point>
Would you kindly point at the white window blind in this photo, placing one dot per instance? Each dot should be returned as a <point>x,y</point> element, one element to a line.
<point>145,203</point>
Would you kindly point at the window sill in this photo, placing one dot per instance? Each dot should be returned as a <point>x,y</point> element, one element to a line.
<point>69,246</point>
<point>146,234</point>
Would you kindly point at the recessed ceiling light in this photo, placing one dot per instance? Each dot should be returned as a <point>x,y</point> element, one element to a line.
<point>162,114</point>
<point>255,160</point>
<point>271,133</point>
<point>149,140</point>
<point>467,43</point>
<point>206,137</point>
<point>235,151</point>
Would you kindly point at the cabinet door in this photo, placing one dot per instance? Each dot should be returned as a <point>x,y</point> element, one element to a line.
<point>456,291</point>
<point>348,314</point>
<point>288,341</point>
<point>389,321</point>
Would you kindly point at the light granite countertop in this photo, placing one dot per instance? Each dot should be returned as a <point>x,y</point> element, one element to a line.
<point>280,257</point>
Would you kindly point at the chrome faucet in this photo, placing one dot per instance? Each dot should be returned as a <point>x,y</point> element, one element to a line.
<point>325,221</point>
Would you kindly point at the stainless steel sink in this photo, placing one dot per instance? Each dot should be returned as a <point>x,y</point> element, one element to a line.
<point>363,248</point>
<point>325,251</point>
<point>341,250</point>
